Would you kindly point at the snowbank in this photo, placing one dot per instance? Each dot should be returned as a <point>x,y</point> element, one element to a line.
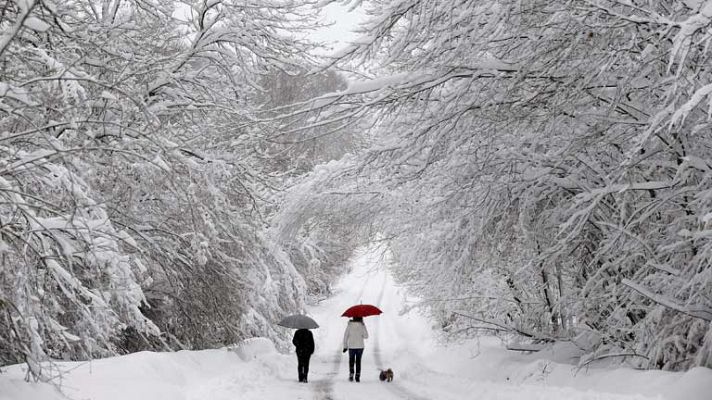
<point>251,349</point>
<point>403,340</point>
<point>240,372</point>
<point>486,359</point>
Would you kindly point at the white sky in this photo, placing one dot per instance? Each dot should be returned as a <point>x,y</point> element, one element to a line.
<point>344,22</point>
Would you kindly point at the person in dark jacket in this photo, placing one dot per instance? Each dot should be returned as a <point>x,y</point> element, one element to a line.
<point>304,342</point>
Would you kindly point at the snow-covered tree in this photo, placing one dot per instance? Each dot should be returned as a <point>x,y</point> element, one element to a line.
<point>130,182</point>
<point>318,245</point>
<point>551,158</point>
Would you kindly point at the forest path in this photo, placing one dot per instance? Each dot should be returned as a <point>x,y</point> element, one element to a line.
<point>380,337</point>
<point>403,341</point>
<point>254,370</point>
<point>368,283</point>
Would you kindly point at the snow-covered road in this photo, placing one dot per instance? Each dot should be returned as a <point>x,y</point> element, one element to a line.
<point>407,344</point>
<point>404,341</point>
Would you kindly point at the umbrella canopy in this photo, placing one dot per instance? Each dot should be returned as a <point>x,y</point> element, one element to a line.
<point>361,310</point>
<point>298,321</point>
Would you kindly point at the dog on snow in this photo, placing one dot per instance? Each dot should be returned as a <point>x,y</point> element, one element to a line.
<point>386,376</point>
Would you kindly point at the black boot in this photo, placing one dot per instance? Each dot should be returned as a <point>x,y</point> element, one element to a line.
<point>358,378</point>
<point>351,377</point>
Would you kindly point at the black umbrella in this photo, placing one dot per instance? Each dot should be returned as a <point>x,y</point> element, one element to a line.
<point>298,321</point>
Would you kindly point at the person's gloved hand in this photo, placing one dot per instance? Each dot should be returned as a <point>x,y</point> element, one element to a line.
<point>344,351</point>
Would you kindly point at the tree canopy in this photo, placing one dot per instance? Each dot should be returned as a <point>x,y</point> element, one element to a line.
<point>542,167</point>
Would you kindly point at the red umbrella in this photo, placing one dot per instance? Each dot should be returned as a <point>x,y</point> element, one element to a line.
<point>361,310</point>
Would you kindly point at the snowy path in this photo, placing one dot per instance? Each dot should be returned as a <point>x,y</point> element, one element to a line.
<point>367,283</point>
<point>403,343</point>
<point>423,369</point>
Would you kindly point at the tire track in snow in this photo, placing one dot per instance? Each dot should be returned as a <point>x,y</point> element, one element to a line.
<point>363,289</point>
<point>324,388</point>
<point>393,387</point>
<point>377,344</point>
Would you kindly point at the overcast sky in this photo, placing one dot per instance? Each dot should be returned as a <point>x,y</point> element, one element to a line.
<point>344,21</point>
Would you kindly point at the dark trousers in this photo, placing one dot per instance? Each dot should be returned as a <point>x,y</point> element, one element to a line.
<point>355,358</point>
<point>303,366</point>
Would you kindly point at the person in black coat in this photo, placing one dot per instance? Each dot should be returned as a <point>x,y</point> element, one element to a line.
<point>304,342</point>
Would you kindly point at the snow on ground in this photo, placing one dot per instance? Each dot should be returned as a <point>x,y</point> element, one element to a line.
<point>424,369</point>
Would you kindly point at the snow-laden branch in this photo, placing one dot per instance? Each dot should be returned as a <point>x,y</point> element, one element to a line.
<point>499,325</point>
<point>7,36</point>
<point>696,311</point>
<point>590,131</point>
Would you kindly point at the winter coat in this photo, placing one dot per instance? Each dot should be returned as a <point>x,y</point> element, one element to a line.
<point>303,341</point>
<point>355,334</point>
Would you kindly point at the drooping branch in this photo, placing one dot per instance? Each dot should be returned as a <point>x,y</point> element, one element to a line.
<point>691,310</point>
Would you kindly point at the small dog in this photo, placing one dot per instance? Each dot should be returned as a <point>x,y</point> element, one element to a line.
<point>386,375</point>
